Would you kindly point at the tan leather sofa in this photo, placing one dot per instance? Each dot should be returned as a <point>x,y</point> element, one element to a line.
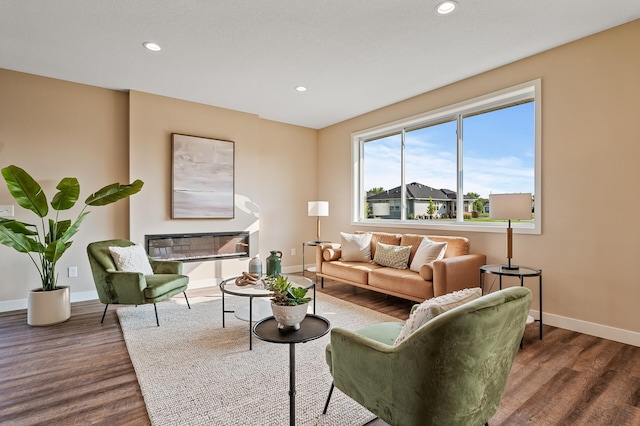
<point>456,271</point>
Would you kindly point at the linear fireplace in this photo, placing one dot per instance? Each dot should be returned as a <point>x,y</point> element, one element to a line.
<point>199,246</point>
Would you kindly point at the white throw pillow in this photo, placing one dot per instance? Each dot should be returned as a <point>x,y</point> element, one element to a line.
<point>356,247</point>
<point>427,252</point>
<point>431,308</point>
<point>392,256</point>
<point>131,259</point>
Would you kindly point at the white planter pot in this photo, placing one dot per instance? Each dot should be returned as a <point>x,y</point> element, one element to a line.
<point>48,307</point>
<point>289,316</point>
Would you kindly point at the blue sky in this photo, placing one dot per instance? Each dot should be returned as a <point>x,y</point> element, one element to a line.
<point>498,154</point>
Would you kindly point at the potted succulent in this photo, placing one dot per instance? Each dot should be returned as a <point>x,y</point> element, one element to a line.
<point>288,303</point>
<point>46,242</point>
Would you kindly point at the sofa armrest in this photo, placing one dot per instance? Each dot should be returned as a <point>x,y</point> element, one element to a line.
<point>457,273</point>
<point>319,253</point>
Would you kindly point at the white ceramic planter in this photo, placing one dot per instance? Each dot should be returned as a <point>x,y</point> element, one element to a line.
<point>48,307</point>
<point>289,316</point>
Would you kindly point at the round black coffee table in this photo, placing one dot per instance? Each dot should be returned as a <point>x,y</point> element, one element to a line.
<point>312,327</point>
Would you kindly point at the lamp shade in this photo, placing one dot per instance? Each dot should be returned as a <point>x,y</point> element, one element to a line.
<point>318,208</point>
<point>510,206</point>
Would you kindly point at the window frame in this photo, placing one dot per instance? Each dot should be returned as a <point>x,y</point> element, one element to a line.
<point>482,103</point>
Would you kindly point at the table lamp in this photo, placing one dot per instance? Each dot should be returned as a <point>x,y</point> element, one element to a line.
<point>318,208</point>
<point>510,207</point>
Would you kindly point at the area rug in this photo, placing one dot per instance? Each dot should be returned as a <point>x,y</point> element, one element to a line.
<point>194,372</point>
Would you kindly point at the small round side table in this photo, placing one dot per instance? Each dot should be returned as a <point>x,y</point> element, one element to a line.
<point>311,328</point>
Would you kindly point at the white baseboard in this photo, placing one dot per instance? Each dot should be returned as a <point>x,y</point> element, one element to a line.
<point>590,328</point>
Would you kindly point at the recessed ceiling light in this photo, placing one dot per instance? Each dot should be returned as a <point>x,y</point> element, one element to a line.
<point>301,88</point>
<point>154,47</point>
<point>446,7</point>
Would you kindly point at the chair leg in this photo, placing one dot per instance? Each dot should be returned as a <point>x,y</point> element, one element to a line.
<point>326,404</point>
<point>185,298</point>
<point>155,308</point>
<point>104,313</point>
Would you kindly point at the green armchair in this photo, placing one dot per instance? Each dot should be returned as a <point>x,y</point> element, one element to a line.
<point>133,288</point>
<point>451,371</point>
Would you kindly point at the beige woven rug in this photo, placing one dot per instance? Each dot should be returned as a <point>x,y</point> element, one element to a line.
<point>194,372</point>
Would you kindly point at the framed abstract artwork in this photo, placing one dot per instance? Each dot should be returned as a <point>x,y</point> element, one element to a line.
<point>202,185</point>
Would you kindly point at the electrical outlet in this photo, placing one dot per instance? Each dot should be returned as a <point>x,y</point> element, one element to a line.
<point>73,271</point>
<point>6,211</point>
<point>293,252</point>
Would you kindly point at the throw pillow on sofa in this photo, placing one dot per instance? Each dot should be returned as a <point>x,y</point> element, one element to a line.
<point>392,256</point>
<point>131,259</point>
<point>431,308</point>
<point>355,247</point>
<point>427,252</point>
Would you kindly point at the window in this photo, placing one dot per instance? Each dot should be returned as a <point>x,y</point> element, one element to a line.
<point>411,172</point>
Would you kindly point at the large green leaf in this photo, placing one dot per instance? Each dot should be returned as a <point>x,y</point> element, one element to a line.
<point>69,192</point>
<point>25,190</point>
<point>18,241</point>
<point>19,227</point>
<point>57,229</point>
<point>71,230</point>
<point>112,193</point>
<point>55,250</point>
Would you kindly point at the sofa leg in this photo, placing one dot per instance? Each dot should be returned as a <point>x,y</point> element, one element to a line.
<point>155,308</point>
<point>104,313</point>
<point>326,404</point>
<point>321,282</point>
<point>185,298</point>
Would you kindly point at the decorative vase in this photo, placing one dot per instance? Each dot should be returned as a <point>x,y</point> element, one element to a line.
<point>48,307</point>
<point>273,263</point>
<point>289,316</point>
<point>255,266</point>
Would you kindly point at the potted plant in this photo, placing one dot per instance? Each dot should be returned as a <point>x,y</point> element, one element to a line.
<point>46,243</point>
<point>288,303</point>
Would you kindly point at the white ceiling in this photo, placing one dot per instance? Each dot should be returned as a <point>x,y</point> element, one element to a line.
<point>248,55</point>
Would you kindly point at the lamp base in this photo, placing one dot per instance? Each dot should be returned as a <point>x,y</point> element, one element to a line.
<point>509,267</point>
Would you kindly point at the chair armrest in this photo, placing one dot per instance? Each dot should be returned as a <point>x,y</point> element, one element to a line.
<point>457,273</point>
<point>166,266</point>
<point>359,361</point>
<point>128,286</point>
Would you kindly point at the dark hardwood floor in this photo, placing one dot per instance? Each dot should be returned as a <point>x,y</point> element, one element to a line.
<point>79,372</point>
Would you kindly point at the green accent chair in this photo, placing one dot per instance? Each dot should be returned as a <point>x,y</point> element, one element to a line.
<point>451,371</point>
<point>133,288</point>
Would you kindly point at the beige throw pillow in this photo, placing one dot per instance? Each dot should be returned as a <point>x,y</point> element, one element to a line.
<point>431,308</point>
<point>131,259</point>
<point>391,255</point>
<point>427,252</point>
<point>355,247</point>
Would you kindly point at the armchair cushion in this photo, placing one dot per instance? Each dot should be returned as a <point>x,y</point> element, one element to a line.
<point>131,259</point>
<point>431,308</point>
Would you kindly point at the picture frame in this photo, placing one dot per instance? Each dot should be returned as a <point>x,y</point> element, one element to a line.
<point>202,183</point>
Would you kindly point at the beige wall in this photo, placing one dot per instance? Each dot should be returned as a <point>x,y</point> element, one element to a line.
<point>590,150</point>
<point>54,129</point>
<point>275,173</point>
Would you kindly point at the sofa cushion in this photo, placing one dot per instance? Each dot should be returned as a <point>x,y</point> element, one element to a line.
<point>350,271</point>
<point>355,247</point>
<point>431,308</point>
<point>427,252</point>
<point>131,259</point>
<point>401,281</point>
<point>385,238</point>
<point>392,255</point>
